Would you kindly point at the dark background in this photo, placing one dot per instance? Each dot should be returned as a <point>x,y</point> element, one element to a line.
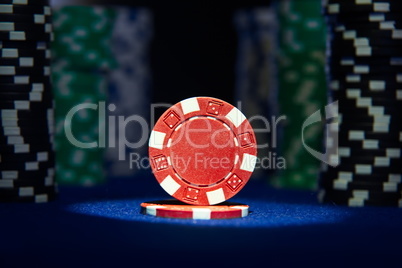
<point>193,52</point>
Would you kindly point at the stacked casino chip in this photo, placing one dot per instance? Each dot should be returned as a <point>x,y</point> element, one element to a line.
<point>129,87</point>
<point>26,105</point>
<point>302,90</point>
<point>81,60</point>
<point>365,77</point>
<point>256,74</point>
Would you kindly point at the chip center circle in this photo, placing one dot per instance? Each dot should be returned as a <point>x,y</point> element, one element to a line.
<point>203,150</point>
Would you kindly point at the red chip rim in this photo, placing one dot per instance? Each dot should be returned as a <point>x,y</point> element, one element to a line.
<point>166,210</point>
<point>202,151</point>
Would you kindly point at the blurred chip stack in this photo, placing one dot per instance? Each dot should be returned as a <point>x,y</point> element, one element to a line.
<point>129,87</point>
<point>365,77</point>
<point>256,86</point>
<point>26,102</point>
<point>82,59</point>
<point>302,89</point>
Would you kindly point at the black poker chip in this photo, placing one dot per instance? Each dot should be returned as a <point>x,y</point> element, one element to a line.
<point>365,91</point>
<point>347,105</point>
<point>364,194</point>
<point>25,62</point>
<point>33,87</point>
<point>361,153</point>
<point>29,96</point>
<point>363,17</point>
<point>26,192</point>
<point>38,198</point>
<point>36,19</point>
<point>27,165</point>
<point>387,35</point>
<point>391,78</point>
<point>25,122</point>
<point>345,7</point>
<point>340,48</point>
<point>369,169</point>
<point>351,61</point>
<point>33,182</point>
<point>379,128</point>
<point>22,124</point>
<point>365,68</point>
<point>365,85</point>
<point>358,185</point>
<point>349,108</point>
<point>350,123</point>
<point>23,79</point>
<point>375,25</point>
<point>38,113</point>
<point>39,110</point>
<point>26,2</point>
<point>16,159</point>
<point>24,131</point>
<point>10,53</point>
<point>361,135</point>
<point>334,198</point>
<point>386,102</point>
<point>368,144</point>
<point>42,181</point>
<point>349,119</point>
<point>29,45</point>
<point>24,9</point>
<point>22,105</point>
<point>369,120</point>
<point>12,174</point>
<point>374,161</point>
<point>25,139</point>
<point>338,174</point>
<point>26,35</point>
<point>25,27</point>
<point>27,157</point>
<point>369,147</point>
<point>31,71</point>
<point>21,127</point>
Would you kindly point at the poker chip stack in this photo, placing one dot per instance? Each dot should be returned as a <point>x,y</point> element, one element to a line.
<point>302,90</point>
<point>82,59</point>
<point>26,133</point>
<point>365,77</point>
<point>129,85</point>
<point>256,74</point>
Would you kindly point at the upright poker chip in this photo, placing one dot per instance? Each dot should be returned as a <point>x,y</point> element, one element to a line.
<point>202,151</point>
<point>178,210</point>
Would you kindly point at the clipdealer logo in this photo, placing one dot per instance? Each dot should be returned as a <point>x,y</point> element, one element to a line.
<point>117,124</point>
<point>331,155</point>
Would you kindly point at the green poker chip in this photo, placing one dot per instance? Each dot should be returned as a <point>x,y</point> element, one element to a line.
<point>302,89</point>
<point>81,59</point>
<point>82,36</point>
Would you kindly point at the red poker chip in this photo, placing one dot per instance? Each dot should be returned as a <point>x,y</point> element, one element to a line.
<point>202,151</point>
<point>179,210</point>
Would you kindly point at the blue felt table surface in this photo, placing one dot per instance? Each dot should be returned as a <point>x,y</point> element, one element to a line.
<point>102,227</point>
